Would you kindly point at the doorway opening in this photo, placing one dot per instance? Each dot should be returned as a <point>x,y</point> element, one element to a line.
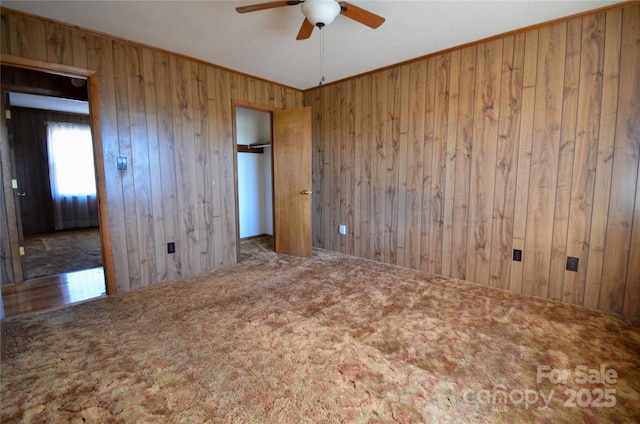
<point>59,238</point>
<point>290,176</point>
<point>253,139</point>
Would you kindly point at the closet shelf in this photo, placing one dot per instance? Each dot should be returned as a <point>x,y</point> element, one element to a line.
<point>249,148</point>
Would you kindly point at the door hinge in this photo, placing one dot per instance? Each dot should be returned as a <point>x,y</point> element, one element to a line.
<point>21,249</point>
<point>7,114</point>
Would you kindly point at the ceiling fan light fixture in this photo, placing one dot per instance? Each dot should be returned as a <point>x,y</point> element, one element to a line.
<point>320,12</point>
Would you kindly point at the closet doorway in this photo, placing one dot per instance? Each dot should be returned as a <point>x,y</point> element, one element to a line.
<point>276,194</point>
<point>253,134</point>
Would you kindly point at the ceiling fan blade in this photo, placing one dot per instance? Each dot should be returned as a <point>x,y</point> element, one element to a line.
<point>267,5</point>
<point>305,30</point>
<point>360,15</point>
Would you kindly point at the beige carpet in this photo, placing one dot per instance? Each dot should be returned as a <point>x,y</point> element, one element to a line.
<point>62,252</point>
<point>334,339</point>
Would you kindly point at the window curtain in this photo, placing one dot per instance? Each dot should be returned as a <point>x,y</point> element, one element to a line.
<point>72,175</point>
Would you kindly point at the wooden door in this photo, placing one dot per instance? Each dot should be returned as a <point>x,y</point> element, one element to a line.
<point>291,150</point>
<point>19,195</point>
<point>11,201</point>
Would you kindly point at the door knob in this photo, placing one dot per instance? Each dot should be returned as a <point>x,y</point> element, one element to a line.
<point>22,194</point>
<point>306,192</point>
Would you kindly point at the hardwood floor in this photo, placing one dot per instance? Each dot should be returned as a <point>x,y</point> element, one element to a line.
<point>53,292</point>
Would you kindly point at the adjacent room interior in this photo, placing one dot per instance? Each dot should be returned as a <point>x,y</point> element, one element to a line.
<point>50,139</point>
<point>448,237</point>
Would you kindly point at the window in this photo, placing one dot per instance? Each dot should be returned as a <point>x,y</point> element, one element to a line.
<point>72,175</point>
<point>71,159</point>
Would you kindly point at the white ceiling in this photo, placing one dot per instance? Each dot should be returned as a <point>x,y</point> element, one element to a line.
<point>263,43</point>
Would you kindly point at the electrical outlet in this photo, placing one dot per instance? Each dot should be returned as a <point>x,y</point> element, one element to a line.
<point>122,163</point>
<point>572,264</point>
<point>517,255</point>
<point>171,247</point>
<point>343,229</point>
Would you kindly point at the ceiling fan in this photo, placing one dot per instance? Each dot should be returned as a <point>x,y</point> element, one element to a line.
<point>320,13</point>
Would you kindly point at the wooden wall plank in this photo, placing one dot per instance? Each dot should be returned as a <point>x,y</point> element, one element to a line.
<point>403,158</point>
<point>159,272</point>
<point>379,122</point>
<point>323,191</point>
<point>79,46</point>
<point>5,33</point>
<point>332,131</point>
<point>166,152</point>
<point>219,91</point>
<point>213,190</point>
<point>506,160</point>
<point>363,108</point>
<point>414,166</point>
<point>183,112</point>
<point>463,162</point>
<point>585,155</point>
<point>392,147</point>
<point>483,160</point>
<point>565,155</point>
<point>450,172</point>
<point>59,44</point>
<point>126,178</point>
<point>203,177</point>
<point>544,159</point>
<point>323,152</point>
<point>631,307</point>
<point>141,172</point>
<point>427,163</point>
<point>359,172</point>
<point>524,157</point>
<point>226,157</point>
<point>348,170</point>
<point>318,169</point>
<point>631,28</point>
<point>28,37</point>
<point>338,101</point>
<point>439,163</point>
<point>604,164</point>
<point>625,169</point>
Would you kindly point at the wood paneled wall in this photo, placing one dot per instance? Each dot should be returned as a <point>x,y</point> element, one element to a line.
<point>530,141</point>
<point>172,118</point>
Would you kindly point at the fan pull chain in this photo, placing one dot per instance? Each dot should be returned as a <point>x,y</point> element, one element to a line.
<point>322,79</point>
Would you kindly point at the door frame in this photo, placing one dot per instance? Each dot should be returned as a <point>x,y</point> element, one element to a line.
<point>261,108</point>
<point>96,131</point>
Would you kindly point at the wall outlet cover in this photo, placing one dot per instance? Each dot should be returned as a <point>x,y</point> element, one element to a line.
<point>517,255</point>
<point>343,229</point>
<point>572,264</point>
